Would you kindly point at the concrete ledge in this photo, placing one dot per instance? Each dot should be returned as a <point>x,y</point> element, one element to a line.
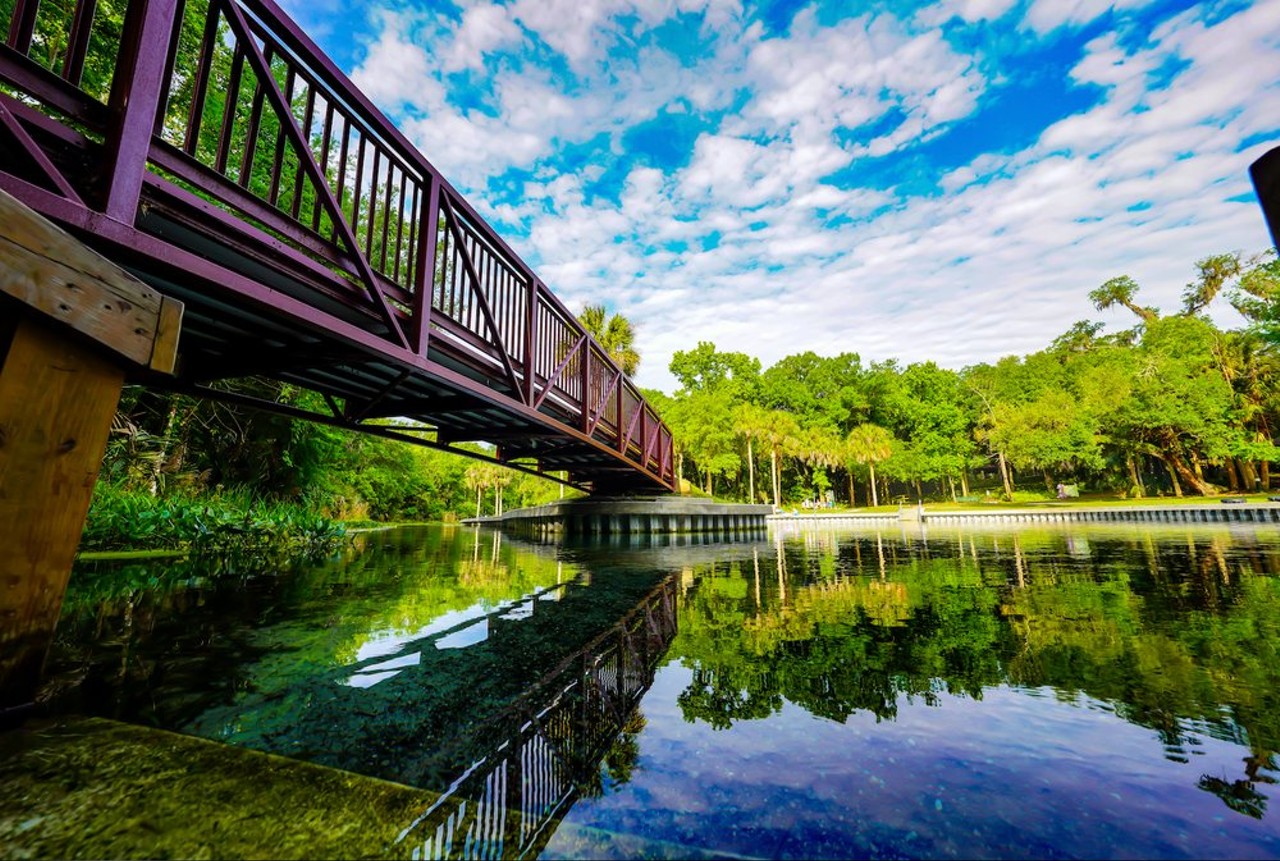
<point>632,516</point>
<point>1208,512</point>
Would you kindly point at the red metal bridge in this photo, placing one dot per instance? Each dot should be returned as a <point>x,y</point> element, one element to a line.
<point>212,150</point>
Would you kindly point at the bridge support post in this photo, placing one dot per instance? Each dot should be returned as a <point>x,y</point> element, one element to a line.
<point>71,325</point>
<point>56,402</point>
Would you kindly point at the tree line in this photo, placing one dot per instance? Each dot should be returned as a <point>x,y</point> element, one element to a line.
<point>1174,405</point>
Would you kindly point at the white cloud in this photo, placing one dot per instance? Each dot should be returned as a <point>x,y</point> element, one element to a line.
<point>750,244</point>
<point>1045,16</point>
<point>397,71</point>
<point>484,28</point>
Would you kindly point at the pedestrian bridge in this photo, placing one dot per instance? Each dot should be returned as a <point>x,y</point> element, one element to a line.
<point>209,148</point>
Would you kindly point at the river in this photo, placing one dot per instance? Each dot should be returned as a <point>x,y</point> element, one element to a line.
<point>1060,692</point>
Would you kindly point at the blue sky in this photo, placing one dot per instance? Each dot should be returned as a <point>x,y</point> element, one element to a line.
<point>916,181</point>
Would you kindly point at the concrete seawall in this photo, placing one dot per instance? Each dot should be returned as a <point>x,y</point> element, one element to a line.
<point>1258,512</point>
<point>631,516</point>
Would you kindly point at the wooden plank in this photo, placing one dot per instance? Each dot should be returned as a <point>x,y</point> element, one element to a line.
<point>51,271</point>
<point>57,397</point>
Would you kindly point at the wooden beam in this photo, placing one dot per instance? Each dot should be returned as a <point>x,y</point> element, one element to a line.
<point>48,270</point>
<point>57,397</point>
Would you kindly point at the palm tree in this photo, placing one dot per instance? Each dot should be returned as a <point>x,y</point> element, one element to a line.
<point>870,444</point>
<point>780,430</point>
<point>819,448</point>
<point>615,334</point>
<point>477,478</point>
<point>749,421</point>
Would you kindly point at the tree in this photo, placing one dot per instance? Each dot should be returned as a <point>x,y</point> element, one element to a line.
<point>868,445</point>
<point>750,422</point>
<point>1121,291</point>
<point>1179,402</point>
<point>818,391</point>
<point>704,367</point>
<point>1257,295</point>
<point>1214,272</point>
<point>477,477</point>
<point>779,430</point>
<point>615,334</point>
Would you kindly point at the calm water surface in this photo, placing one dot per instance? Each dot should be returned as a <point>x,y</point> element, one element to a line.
<point>1077,692</point>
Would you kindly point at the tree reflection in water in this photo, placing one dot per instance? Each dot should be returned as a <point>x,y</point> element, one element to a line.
<point>1180,633</point>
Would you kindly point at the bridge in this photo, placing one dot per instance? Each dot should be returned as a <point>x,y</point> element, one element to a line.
<point>210,149</point>
<point>192,194</point>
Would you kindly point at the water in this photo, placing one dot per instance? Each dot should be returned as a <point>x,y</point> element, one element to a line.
<point>1070,692</point>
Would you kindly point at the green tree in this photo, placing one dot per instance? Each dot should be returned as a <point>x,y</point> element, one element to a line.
<point>868,444</point>
<point>615,334</point>
<point>1121,290</point>
<point>705,367</point>
<point>1178,401</point>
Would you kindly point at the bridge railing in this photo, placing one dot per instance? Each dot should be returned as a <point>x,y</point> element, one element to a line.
<point>251,136</point>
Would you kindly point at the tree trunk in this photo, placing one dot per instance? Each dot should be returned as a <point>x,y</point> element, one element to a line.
<point>1248,477</point>
<point>1173,475</point>
<point>1179,469</point>
<point>1264,473</point>
<point>1004,474</point>
<point>951,486</point>
<point>777,480</point>
<point>964,482</point>
<point>874,500</point>
<point>1048,480</point>
<point>1135,478</point>
<point>478,499</point>
<point>1229,467</point>
<point>853,501</point>
<point>751,473</point>
<point>919,492</point>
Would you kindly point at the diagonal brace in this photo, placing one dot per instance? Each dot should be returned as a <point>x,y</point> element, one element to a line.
<point>598,412</point>
<point>555,375</point>
<point>306,159</point>
<point>485,310</point>
<point>32,149</point>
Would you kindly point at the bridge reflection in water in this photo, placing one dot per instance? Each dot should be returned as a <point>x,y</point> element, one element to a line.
<point>496,680</point>
<point>550,743</point>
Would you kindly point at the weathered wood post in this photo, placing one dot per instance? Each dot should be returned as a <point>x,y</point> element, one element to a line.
<point>72,324</point>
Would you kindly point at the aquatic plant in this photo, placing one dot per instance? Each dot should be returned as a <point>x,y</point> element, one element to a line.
<point>224,522</point>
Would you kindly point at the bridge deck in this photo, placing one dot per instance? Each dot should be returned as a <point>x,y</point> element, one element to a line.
<point>240,172</point>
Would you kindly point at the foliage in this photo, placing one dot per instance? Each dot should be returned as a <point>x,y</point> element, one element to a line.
<point>1173,405</point>
<point>120,519</point>
<point>615,333</point>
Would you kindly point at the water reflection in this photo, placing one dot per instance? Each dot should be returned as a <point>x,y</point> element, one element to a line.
<point>503,674</point>
<point>902,692</point>
<point>1171,630</point>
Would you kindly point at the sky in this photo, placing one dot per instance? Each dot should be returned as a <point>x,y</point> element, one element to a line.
<point>913,181</point>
